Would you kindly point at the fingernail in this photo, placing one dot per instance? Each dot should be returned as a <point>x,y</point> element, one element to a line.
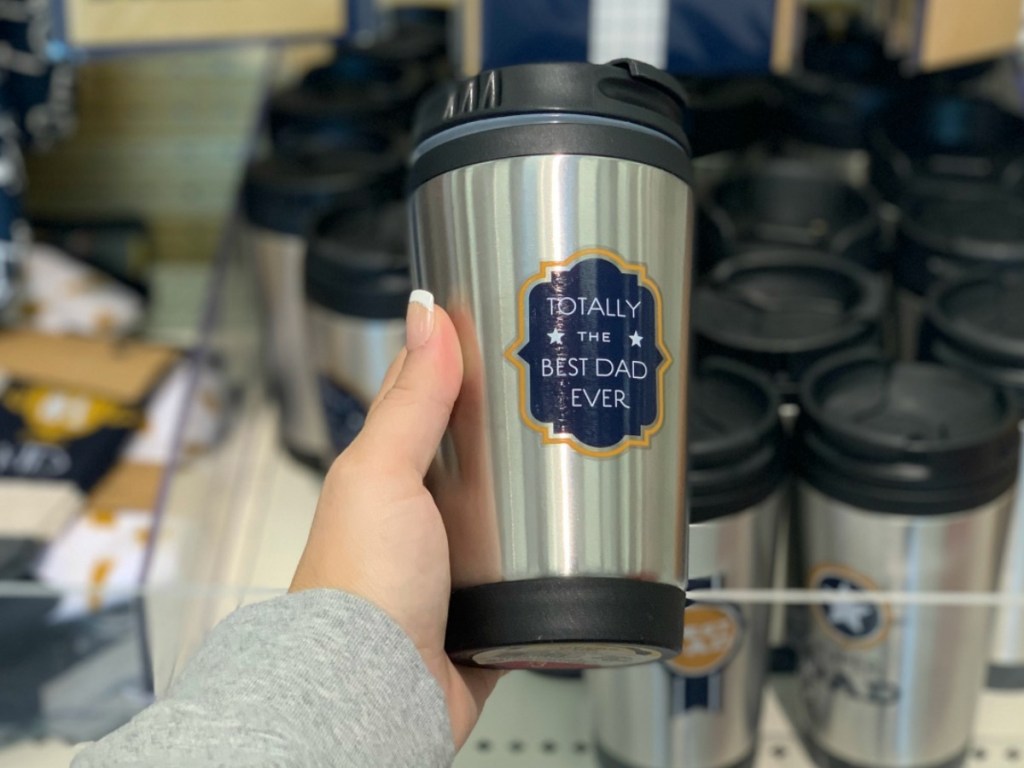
<point>419,321</point>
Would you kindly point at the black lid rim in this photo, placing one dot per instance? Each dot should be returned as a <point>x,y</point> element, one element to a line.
<point>539,88</point>
<point>711,451</point>
<point>896,500</point>
<point>909,480</point>
<point>857,240</point>
<point>732,472</point>
<point>545,138</point>
<point>936,348</point>
<point>864,319</point>
<point>974,341</point>
<point>810,411</point>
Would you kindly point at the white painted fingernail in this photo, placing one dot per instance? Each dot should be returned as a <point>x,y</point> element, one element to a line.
<point>419,321</point>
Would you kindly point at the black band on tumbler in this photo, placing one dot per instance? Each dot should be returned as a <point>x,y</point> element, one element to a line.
<point>1005,678</point>
<point>565,623</point>
<point>606,760</point>
<point>563,138</point>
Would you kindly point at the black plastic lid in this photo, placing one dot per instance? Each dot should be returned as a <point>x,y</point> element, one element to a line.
<point>792,203</point>
<point>624,90</point>
<point>286,193</point>
<point>356,91</point>
<point>735,439</point>
<point>730,113</point>
<point>359,264</point>
<point>943,137</point>
<point>951,228</point>
<point>977,323</point>
<point>782,311</point>
<point>905,438</point>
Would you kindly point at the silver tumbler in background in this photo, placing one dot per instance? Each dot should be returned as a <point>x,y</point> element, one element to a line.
<point>357,291</point>
<point>907,471</point>
<point>976,324</point>
<point>702,709</point>
<point>282,196</point>
<point>782,311</point>
<point>552,218</point>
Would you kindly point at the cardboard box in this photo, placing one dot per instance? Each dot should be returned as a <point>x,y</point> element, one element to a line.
<point>117,25</point>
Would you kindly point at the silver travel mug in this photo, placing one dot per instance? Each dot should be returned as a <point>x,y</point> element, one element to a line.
<point>552,218</point>
<point>282,197</point>
<point>907,471</point>
<point>702,709</point>
<point>976,324</point>
<point>782,311</point>
<point>357,291</point>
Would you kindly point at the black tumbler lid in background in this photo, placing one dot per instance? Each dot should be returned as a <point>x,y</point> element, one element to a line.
<point>359,264</point>
<point>926,139</point>
<point>285,193</point>
<point>905,438</point>
<point>624,109</point>
<point>356,93</point>
<point>976,323</point>
<point>728,114</point>
<point>951,228</point>
<point>793,204</point>
<point>782,311</point>
<point>735,439</point>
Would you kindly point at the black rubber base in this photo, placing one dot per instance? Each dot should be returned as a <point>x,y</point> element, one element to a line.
<point>826,760</point>
<point>1005,678</point>
<point>607,761</point>
<point>565,623</point>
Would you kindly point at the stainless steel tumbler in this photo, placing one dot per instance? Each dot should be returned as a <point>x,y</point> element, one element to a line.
<point>907,472</point>
<point>976,324</point>
<point>357,290</point>
<point>282,197</point>
<point>782,312</point>
<point>948,230</point>
<point>552,212</point>
<point>702,709</point>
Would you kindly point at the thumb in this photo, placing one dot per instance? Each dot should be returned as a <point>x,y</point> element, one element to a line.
<point>409,417</point>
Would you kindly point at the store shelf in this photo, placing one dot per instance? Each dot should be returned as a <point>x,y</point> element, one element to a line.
<point>544,723</point>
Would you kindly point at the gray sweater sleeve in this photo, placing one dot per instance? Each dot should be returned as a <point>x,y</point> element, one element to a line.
<point>317,678</point>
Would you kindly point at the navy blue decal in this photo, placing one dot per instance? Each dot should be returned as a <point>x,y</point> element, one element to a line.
<point>344,413</point>
<point>593,354</point>
<point>713,633</point>
<point>852,620</point>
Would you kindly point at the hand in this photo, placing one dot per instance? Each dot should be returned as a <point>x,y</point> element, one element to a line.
<point>377,531</point>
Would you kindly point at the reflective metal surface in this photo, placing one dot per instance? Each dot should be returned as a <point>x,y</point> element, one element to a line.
<point>526,509</point>
<point>1008,640</point>
<point>278,260</point>
<point>353,353</point>
<point>704,711</point>
<point>895,685</point>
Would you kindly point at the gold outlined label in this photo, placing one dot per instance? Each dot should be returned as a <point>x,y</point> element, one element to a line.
<point>826,614</point>
<point>545,429</point>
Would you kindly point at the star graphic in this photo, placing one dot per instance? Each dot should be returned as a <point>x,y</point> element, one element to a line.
<point>636,338</point>
<point>556,336</point>
<point>849,615</point>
